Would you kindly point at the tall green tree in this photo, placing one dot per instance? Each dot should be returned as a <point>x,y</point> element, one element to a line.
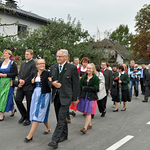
<point>122,35</point>
<point>141,41</point>
<point>46,40</point>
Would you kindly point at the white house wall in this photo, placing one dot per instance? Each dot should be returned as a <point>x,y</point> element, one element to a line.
<point>13,29</point>
<point>112,52</point>
<point>119,59</point>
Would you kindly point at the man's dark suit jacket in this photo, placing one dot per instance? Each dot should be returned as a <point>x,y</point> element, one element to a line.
<point>69,80</point>
<point>108,79</point>
<point>27,72</point>
<point>146,78</point>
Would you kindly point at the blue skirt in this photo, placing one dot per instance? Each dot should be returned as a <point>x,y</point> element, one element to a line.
<point>10,103</point>
<point>40,105</point>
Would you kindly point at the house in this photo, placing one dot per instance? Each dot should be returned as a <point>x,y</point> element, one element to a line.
<point>10,13</point>
<point>143,60</point>
<point>118,53</point>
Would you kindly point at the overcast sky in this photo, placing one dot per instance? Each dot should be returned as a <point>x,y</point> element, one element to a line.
<point>93,14</point>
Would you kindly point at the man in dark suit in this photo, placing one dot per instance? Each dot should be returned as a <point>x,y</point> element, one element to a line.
<point>108,84</point>
<point>65,81</point>
<point>146,83</point>
<point>25,88</point>
<point>141,79</point>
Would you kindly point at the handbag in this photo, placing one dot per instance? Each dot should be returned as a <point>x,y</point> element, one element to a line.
<point>14,83</point>
<point>114,91</point>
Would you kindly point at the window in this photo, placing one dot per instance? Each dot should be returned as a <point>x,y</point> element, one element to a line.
<point>22,30</point>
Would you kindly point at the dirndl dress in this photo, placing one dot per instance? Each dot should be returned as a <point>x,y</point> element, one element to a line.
<point>86,106</point>
<point>6,91</point>
<point>40,104</point>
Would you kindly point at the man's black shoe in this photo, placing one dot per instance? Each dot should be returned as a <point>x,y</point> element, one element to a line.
<point>22,120</point>
<point>63,139</point>
<point>72,113</point>
<point>53,144</point>
<point>103,114</point>
<point>26,123</point>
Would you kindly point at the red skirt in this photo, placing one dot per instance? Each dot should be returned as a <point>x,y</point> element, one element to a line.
<point>74,107</point>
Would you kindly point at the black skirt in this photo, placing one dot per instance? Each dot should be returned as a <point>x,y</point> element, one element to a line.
<point>125,96</point>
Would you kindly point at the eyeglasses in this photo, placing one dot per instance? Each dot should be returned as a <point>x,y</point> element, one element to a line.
<point>41,63</point>
<point>59,56</point>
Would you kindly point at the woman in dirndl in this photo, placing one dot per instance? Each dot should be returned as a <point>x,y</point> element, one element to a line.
<point>41,98</point>
<point>89,86</point>
<point>122,80</point>
<point>81,71</point>
<point>8,72</point>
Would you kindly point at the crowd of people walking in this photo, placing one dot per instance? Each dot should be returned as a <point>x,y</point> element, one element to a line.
<point>70,86</point>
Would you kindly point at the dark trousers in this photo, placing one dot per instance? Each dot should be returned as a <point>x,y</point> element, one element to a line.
<point>61,129</point>
<point>102,104</point>
<point>142,86</point>
<point>19,98</point>
<point>147,92</point>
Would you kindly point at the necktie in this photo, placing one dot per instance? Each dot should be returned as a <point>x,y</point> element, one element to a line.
<point>60,67</point>
<point>103,71</point>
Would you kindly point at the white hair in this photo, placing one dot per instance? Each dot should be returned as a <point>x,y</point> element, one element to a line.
<point>64,51</point>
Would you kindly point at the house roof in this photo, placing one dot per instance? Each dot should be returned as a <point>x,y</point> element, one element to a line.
<point>143,60</point>
<point>106,43</point>
<point>23,13</point>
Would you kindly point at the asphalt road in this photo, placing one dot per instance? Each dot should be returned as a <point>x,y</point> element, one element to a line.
<point>108,133</point>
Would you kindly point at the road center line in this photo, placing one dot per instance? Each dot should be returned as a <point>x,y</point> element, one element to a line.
<point>120,143</point>
<point>148,123</point>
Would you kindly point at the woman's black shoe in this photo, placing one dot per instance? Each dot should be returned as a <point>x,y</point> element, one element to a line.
<point>13,113</point>
<point>28,140</point>
<point>123,109</point>
<point>2,119</point>
<point>115,110</point>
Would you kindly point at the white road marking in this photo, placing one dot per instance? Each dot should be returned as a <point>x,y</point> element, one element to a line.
<point>148,123</point>
<point>120,143</point>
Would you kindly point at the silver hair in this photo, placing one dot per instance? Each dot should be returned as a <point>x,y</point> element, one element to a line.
<point>64,51</point>
<point>132,61</point>
<point>75,58</point>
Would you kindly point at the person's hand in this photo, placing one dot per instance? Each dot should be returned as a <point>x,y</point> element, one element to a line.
<point>74,103</point>
<point>116,78</point>
<point>56,84</point>
<point>20,85</point>
<point>22,82</point>
<point>33,80</point>
<point>1,75</point>
<point>4,75</point>
<point>49,78</point>
<point>134,74</point>
<point>144,84</point>
<point>135,70</point>
<point>120,81</point>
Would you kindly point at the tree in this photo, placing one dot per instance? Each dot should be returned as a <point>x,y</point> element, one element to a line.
<point>46,40</point>
<point>122,35</point>
<point>140,43</point>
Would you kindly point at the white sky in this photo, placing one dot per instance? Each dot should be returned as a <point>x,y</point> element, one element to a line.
<point>93,14</point>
